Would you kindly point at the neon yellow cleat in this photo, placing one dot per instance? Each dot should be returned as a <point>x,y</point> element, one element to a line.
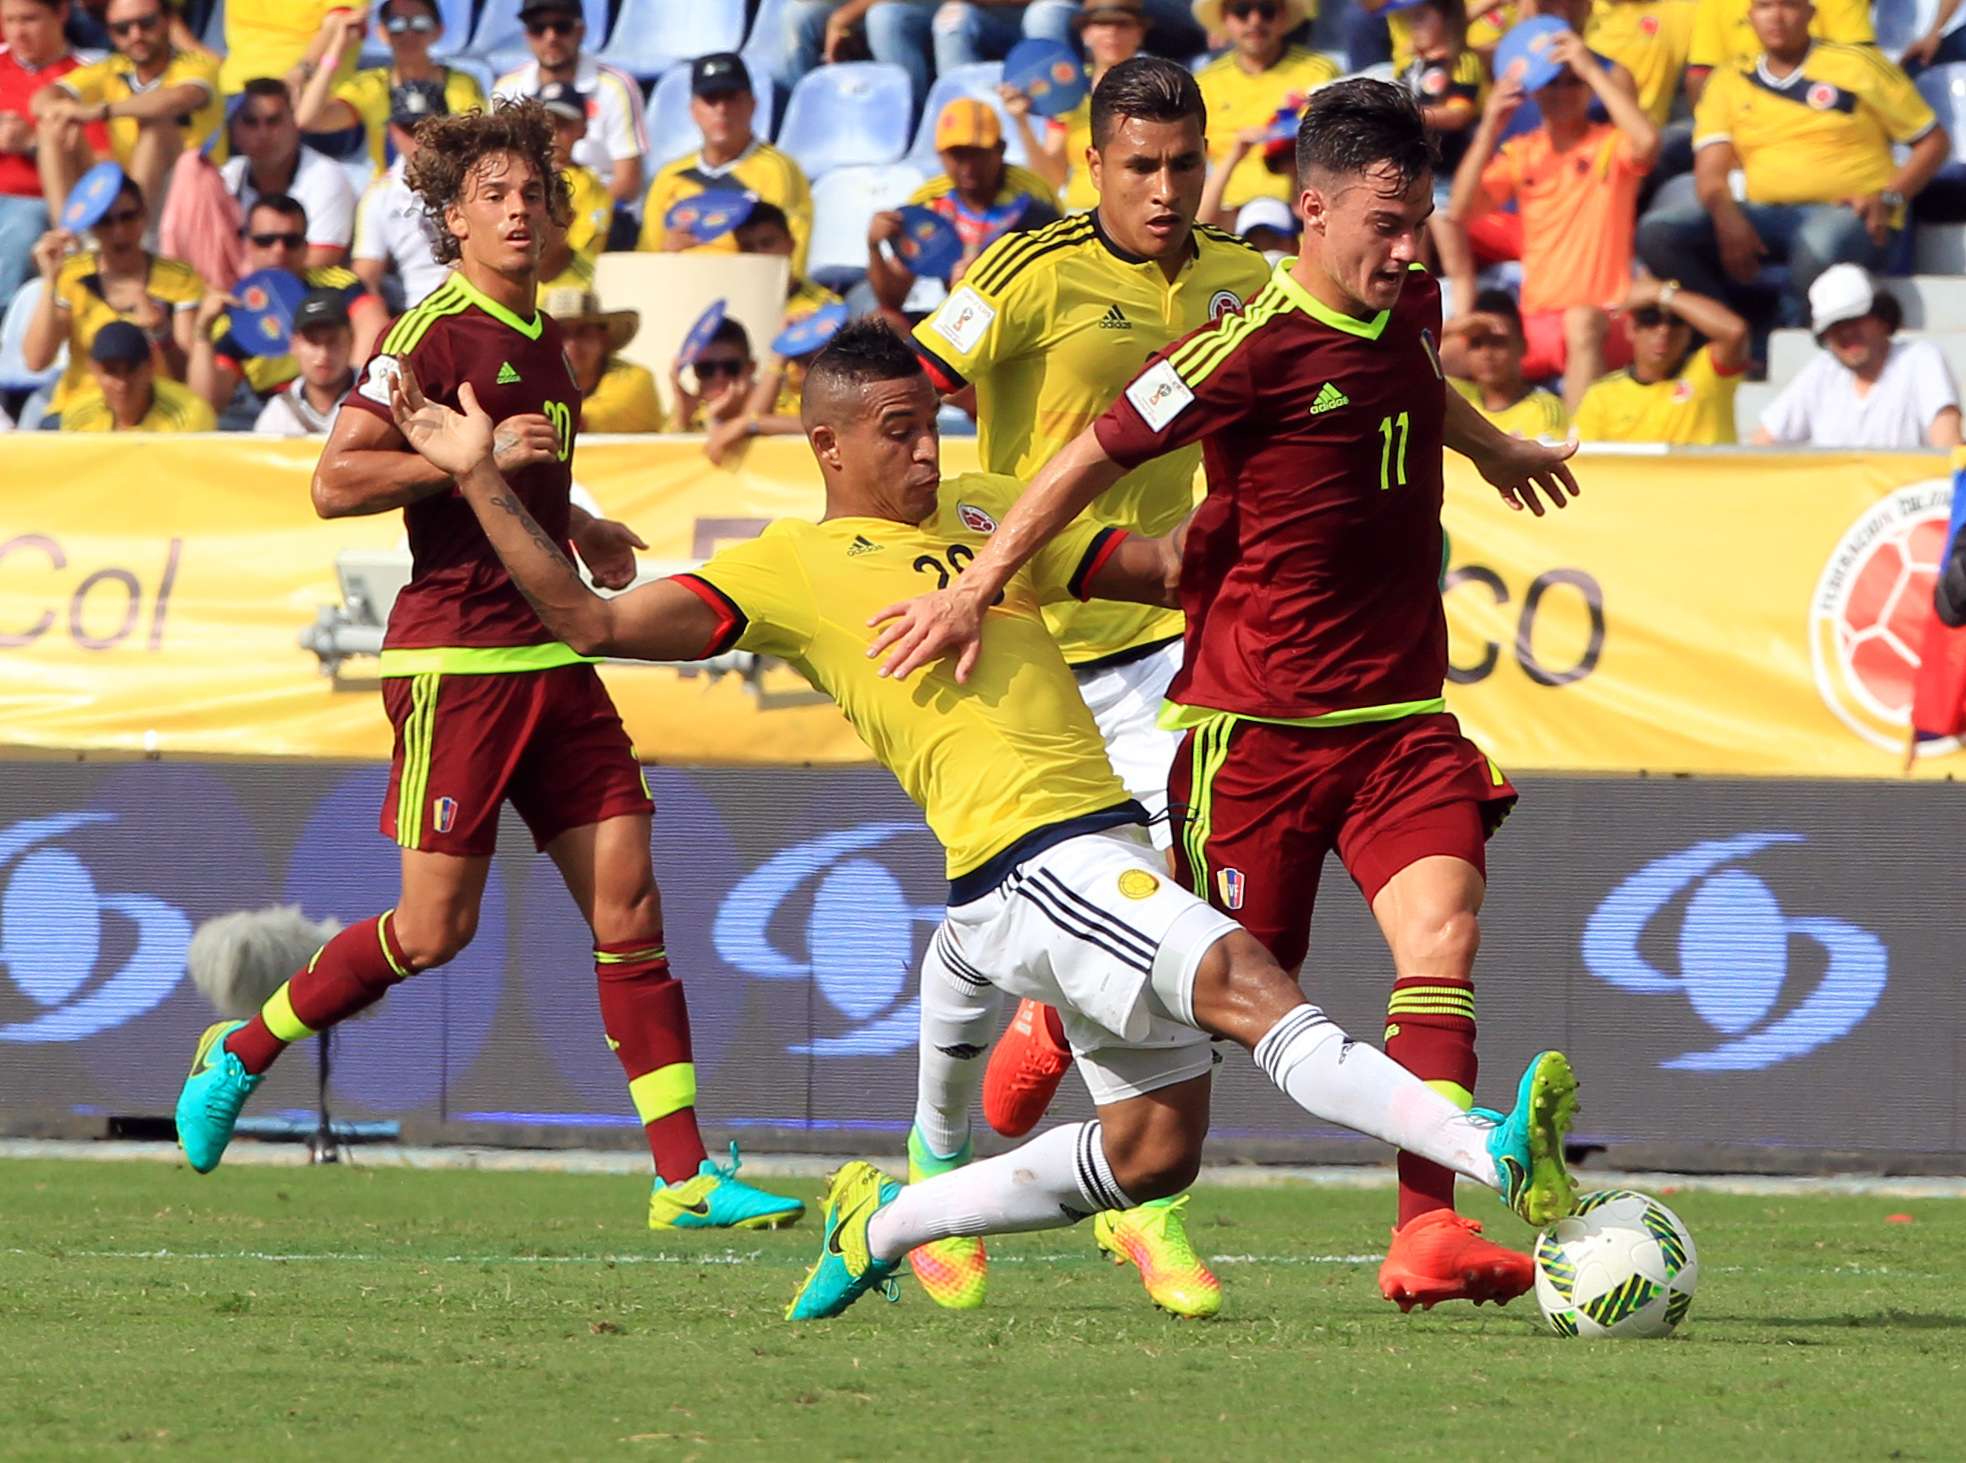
<point>1154,1238</point>
<point>953,1272</point>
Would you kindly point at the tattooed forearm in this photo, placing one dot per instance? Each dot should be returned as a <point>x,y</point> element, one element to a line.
<point>531,525</point>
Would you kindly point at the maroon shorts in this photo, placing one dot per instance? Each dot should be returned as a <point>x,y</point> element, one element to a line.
<point>1256,807</point>
<point>551,741</point>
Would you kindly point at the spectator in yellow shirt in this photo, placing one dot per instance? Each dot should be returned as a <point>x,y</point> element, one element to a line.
<point>1246,85</point>
<point>1651,40</point>
<point>412,28</point>
<point>128,395</point>
<point>1724,36</point>
<point>1491,348</point>
<point>1811,124</point>
<point>274,37</point>
<point>155,100</point>
<point>1670,392</point>
<point>1111,31</point>
<point>617,395</point>
<point>568,259</point>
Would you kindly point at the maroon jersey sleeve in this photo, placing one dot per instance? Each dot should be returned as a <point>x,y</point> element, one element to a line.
<point>1194,389</point>
<point>430,358</point>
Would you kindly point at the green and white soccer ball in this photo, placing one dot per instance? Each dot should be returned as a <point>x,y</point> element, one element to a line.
<point>1622,1265</point>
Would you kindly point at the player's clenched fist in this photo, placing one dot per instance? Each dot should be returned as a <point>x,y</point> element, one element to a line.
<point>522,441</point>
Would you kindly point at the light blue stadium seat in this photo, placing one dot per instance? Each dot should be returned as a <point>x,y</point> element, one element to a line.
<point>14,374</point>
<point>501,40</point>
<point>765,44</point>
<point>652,35</point>
<point>844,202</point>
<point>980,81</point>
<point>852,114</point>
<point>672,133</point>
<point>1896,24</point>
<point>1944,89</point>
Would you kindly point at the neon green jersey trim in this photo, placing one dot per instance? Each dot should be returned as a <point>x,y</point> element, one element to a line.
<point>473,660</point>
<point>1304,300</point>
<point>1176,717</point>
<point>530,329</point>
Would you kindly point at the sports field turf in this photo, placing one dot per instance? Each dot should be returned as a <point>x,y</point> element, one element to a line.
<point>383,1314</point>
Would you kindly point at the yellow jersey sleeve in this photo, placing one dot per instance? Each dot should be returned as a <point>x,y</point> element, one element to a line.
<point>1713,119</point>
<point>1000,311</point>
<point>90,84</point>
<point>1896,99</point>
<point>666,189</point>
<point>766,594</point>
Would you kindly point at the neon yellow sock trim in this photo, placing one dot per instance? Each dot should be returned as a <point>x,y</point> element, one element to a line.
<point>278,1014</point>
<point>382,935</point>
<point>1454,1092</point>
<point>665,1090</point>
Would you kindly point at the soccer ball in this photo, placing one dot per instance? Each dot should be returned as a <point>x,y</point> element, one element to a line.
<point>1622,1265</point>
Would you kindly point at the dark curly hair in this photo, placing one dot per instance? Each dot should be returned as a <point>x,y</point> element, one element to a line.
<point>449,148</point>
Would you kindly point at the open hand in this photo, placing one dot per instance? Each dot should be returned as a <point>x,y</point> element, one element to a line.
<point>608,549</point>
<point>455,442</point>
<point>926,629</point>
<point>1520,470</point>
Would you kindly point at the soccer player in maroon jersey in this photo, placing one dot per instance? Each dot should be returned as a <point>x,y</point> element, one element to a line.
<point>1316,643</point>
<point>488,706</point>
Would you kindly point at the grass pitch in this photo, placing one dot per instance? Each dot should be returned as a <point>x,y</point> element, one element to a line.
<point>382,1314</point>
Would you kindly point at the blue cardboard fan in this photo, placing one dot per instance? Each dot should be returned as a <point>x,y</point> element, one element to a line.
<point>929,244</point>
<point>1049,73</point>
<point>700,333</point>
<point>1529,45</point>
<point>263,320</point>
<point>90,198</point>
<point>808,333</point>
<point>707,217</point>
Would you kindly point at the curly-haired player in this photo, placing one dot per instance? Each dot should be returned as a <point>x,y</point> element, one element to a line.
<point>487,705</point>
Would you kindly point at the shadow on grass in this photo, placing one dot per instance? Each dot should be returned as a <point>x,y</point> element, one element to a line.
<point>1876,1320</point>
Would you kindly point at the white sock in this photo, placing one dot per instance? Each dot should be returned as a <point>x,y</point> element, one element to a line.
<point>959,1021</point>
<point>1344,1081</point>
<point>1055,1180</point>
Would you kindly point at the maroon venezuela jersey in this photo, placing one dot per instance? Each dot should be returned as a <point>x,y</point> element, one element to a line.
<point>1311,577</point>
<point>459,593</point>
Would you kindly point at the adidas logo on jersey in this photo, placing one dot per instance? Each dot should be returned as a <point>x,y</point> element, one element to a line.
<point>1113,319</point>
<point>1329,398</point>
<point>507,376</point>
<point>862,545</point>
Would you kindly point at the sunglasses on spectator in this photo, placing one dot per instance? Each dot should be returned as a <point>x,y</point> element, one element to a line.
<point>1267,9</point>
<point>709,370</point>
<point>293,240</point>
<point>1651,317</point>
<point>136,23</point>
<point>116,218</point>
<point>550,27</point>
<point>397,25</point>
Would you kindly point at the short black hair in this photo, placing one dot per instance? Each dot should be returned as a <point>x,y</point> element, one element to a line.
<point>268,88</point>
<point>1353,126</point>
<point>284,204</point>
<point>863,351</point>
<point>1147,87</point>
<point>1889,312</point>
<point>129,188</point>
<point>1500,302</point>
<point>763,213</point>
<point>730,331</point>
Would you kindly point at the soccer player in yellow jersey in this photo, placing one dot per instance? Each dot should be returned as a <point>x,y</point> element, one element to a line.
<point>1049,327</point>
<point>1055,892</point>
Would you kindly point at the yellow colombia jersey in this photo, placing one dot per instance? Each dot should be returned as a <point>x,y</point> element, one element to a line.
<point>1012,751</point>
<point>1485,31</point>
<point>173,408</point>
<point>267,37</point>
<point>1537,416</point>
<point>587,234</point>
<point>1052,326</point>
<point>367,95</point>
<point>1237,100</point>
<point>114,78</point>
<point>761,169</point>
<point>1821,133</point>
<point>1723,36</point>
<point>1076,124</point>
<point>1695,408</point>
<point>1650,39</point>
<point>78,287</point>
<point>623,400</point>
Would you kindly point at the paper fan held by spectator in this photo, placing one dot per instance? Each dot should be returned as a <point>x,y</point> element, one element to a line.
<point>810,332</point>
<point>1048,73</point>
<point>264,320</point>
<point>700,333</point>
<point>1527,47</point>
<point>91,197</point>
<point>928,244</point>
<point>707,217</point>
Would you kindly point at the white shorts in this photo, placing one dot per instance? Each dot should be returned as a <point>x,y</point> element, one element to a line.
<point>1094,927</point>
<point>1125,700</point>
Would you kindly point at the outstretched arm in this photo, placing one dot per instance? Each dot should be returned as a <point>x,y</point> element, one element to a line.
<point>1516,468</point>
<point>660,621</point>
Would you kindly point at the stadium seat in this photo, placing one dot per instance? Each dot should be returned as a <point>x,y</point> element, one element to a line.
<point>980,81</point>
<point>852,114</point>
<point>214,36</point>
<point>844,202</point>
<point>671,131</point>
<point>1944,89</point>
<point>765,44</point>
<point>1896,24</point>
<point>501,40</point>
<point>652,35</point>
<point>14,374</point>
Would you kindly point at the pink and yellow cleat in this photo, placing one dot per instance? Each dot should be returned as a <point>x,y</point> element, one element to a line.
<point>1153,1238</point>
<point>954,1272</point>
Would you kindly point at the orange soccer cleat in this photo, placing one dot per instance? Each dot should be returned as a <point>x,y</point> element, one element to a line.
<point>1030,1060</point>
<point>1441,1256</point>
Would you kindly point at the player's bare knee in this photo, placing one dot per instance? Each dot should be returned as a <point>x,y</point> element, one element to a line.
<point>1155,1165</point>
<point>1441,941</point>
<point>1240,991</point>
<point>430,938</point>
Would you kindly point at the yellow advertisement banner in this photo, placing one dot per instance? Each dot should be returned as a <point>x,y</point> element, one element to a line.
<point>1696,613</point>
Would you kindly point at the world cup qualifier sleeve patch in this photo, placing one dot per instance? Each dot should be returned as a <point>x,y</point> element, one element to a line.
<point>1159,395</point>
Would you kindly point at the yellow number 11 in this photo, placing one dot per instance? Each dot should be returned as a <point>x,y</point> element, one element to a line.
<point>1392,469</point>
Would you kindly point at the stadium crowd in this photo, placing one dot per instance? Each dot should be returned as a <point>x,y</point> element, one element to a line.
<point>1624,216</point>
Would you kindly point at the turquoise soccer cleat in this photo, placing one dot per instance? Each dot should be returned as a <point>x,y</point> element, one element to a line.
<point>208,1107</point>
<point>1527,1144</point>
<point>714,1199</point>
<point>846,1268</point>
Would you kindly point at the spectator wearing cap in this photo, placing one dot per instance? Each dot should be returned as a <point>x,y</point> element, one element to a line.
<point>616,395</point>
<point>269,157</point>
<point>724,370</point>
<point>1268,226</point>
<point>1246,85</point>
<point>278,38</point>
<point>617,135</point>
<point>1574,182</point>
<point>219,362</point>
<point>968,31</point>
<point>1864,389</point>
<point>1811,124</point>
<point>33,53</point>
<point>1650,39</point>
<point>1671,392</point>
<point>395,242</point>
<point>154,100</point>
<point>1724,36</point>
<point>117,280</point>
<point>323,347</point>
<point>128,395</point>
<point>733,158</point>
<point>567,262</point>
<point>1488,341</point>
<point>1110,31</point>
<point>370,98</point>
<point>896,31</point>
